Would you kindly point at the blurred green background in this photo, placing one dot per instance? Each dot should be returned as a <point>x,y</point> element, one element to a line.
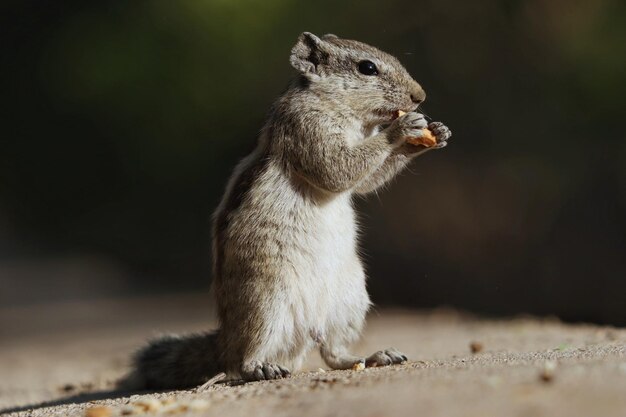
<point>121,122</point>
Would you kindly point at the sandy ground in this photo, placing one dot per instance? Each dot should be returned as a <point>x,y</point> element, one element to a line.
<point>62,360</point>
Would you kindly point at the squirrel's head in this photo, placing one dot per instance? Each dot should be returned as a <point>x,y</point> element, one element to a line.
<point>372,83</point>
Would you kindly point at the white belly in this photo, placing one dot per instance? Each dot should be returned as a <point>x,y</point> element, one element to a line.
<point>321,286</point>
<point>328,283</point>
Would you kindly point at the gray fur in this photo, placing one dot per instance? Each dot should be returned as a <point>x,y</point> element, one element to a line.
<point>174,362</point>
<point>287,276</point>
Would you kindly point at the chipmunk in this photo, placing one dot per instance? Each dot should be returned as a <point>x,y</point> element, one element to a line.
<point>287,274</point>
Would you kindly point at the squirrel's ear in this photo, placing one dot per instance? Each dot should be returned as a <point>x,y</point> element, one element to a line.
<point>306,53</point>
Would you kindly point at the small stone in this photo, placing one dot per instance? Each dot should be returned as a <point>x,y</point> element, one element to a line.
<point>548,371</point>
<point>68,388</point>
<point>476,347</point>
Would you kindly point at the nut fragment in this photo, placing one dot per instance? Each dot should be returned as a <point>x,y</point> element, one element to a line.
<point>427,138</point>
<point>359,366</point>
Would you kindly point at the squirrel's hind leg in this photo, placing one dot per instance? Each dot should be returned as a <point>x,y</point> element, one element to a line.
<point>338,357</point>
<point>334,346</point>
<point>258,371</point>
<point>256,348</point>
<point>385,357</point>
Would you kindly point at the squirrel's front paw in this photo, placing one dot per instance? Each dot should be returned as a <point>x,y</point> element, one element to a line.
<point>409,125</point>
<point>441,132</point>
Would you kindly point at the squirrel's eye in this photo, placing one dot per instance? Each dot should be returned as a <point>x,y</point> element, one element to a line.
<point>368,68</point>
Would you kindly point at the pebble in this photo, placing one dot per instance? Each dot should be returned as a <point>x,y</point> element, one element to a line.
<point>476,347</point>
<point>548,371</point>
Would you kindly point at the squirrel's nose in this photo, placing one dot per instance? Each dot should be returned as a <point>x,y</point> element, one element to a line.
<point>417,94</point>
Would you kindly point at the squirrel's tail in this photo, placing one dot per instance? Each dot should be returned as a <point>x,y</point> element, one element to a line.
<point>174,362</point>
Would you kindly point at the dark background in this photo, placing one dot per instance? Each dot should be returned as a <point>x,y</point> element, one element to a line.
<point>121,122</point>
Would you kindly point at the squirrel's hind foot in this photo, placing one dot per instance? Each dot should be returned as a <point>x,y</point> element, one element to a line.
<point>385,357</point>
<point>259,371</point>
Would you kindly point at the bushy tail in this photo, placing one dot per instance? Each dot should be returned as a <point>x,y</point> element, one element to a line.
<point>174,362</point>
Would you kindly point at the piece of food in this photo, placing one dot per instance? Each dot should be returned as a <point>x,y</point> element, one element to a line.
<point>359,366</point>
<point>427,139</point>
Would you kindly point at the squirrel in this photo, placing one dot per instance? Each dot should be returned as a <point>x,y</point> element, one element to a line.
<point>287,273</point>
